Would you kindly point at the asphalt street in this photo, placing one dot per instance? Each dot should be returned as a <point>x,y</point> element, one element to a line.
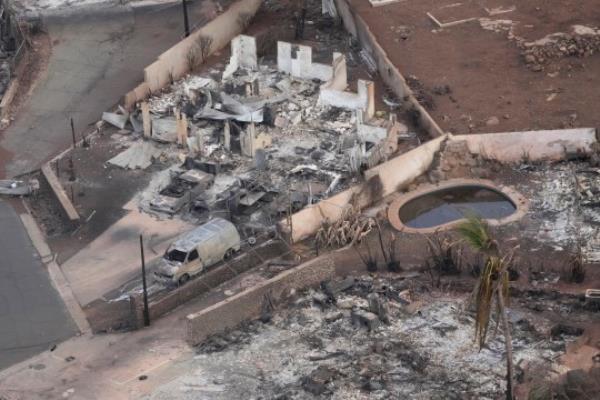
<point>33,317</point>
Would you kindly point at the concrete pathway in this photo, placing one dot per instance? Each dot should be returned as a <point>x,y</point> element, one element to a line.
<point>32,315</point>
<point>97,56</point>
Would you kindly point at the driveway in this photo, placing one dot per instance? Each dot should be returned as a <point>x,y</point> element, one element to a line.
<point>32,314</point>
<point>98,55</point>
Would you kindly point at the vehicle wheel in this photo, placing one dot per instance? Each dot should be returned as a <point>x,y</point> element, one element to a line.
<point>183,279</point>
<point>228,254</point>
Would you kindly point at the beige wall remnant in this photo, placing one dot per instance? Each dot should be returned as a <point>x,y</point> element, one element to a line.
<point>243,55</point>
<point>550,145</point>
<point>400,171</point>
<point>339,79</point>
<point>250,140</point>
<point>393,175</point>
<point>363,100</point>
<point>300,64</point>
<point>249,303</point>
<point>146,120</point>
<point>175,62</point>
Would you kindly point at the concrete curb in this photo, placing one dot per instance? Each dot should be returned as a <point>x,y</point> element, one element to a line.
<point>57,278</point>
<point>59,193</point>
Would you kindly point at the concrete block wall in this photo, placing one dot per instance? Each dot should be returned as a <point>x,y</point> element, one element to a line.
<point>248,304</point>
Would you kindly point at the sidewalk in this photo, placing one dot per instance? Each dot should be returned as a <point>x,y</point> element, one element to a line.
<point>102,366</point>
<point>108,366</point>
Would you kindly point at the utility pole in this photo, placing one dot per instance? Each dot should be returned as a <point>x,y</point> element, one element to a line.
<point>146,312</point>
<point>73,133</point>
<point>186,22</point>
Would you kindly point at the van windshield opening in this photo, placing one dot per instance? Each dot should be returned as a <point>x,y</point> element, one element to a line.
<point>176,255</point>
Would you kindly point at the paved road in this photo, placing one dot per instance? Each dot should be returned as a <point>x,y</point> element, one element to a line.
<point>32,314</point>
<point>97,57</point>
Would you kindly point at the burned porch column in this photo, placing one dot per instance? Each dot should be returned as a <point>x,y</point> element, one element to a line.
<point>147,122</point>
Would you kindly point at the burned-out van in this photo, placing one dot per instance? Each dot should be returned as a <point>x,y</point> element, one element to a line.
<point>198,249</point>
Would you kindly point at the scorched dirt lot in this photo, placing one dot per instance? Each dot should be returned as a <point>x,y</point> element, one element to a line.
<point>485,75</point>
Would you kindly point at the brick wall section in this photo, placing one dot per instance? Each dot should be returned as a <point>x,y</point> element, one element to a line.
<point>248,304</point>
<point>392,77</point>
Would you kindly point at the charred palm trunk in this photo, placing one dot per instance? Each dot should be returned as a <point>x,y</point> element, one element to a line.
<point>509,349</point>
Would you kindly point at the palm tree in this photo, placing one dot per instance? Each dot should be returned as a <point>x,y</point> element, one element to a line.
<point>493,284</point>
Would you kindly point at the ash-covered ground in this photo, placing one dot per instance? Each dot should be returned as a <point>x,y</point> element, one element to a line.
<point>369,338</point>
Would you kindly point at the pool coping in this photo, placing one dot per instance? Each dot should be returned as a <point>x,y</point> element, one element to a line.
<point>521,204</point>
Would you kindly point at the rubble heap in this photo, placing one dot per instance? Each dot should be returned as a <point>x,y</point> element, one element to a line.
<point>582,41</point>
<point>455,160</point>
<point>363,338</point>
<point>267,134</point>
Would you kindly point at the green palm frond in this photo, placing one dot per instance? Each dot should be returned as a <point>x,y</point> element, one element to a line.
<point>475,232</point>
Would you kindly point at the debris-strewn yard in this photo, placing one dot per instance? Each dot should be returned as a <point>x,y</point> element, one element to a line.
<point>373,337</point>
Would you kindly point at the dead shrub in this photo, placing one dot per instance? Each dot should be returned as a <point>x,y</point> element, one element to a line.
<point>193,58</point>
<point>390,257</point>
<point>349,229</point>
<point>243,20</point>
<point>393,262</point>
<point>445,254</point>
<point>205,45</point>
<point>444,258</point>
<point>575,270</point>
<point>369,260</point>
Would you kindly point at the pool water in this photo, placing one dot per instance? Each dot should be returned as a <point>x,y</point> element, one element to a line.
<point>447,205</point>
